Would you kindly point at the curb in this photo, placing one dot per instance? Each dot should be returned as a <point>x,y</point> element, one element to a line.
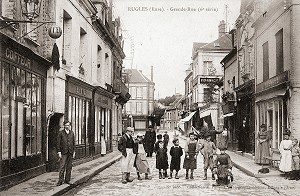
<point>81,179</point>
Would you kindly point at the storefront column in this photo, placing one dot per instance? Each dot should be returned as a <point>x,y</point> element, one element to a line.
<point>294,114</point>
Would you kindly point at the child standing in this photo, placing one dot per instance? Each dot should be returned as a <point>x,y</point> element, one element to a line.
<point>295,160</point>
<point>190,160</point>
<point>222,167</point>
<point>286,155</point>
<point>161,160</point>
<point>208,149</point>
<point>176,153</point>
<point>140,162</point>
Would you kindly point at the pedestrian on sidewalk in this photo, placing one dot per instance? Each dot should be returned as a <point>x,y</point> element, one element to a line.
<point>102,140</point>
<point>213,134</point>
<point>140,162</point>
<point>126,147</point>
<point>295,160</point>
<point>161,159</point>
<point>222,168</point>
<point>262,149</point>
<point>286,154</point>
<point>207,149</point>
<point>176,152</point>
<point>191,152</point>
<point>66,153</point>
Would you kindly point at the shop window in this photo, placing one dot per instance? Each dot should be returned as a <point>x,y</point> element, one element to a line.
<point>140,124</point>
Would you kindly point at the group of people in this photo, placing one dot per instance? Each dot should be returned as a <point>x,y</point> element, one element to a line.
<point>219,164</point>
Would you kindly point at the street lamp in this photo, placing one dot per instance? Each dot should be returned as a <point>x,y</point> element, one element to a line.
<point>30,8</point>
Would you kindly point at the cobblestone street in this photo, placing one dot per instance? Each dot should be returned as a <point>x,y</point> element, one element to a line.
<point>108,182</point>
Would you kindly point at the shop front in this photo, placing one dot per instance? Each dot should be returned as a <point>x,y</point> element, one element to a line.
<point>272,107</point>
<point>245,117</point>
<point>78,105</point>
<point>22,108</point>
<point>103,120</point>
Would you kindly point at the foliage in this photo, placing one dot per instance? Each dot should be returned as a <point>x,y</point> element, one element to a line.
<point>168,100</point>
<point>227,96</point>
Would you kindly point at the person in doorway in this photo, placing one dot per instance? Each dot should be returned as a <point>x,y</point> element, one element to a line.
<point>140,162</point>
<point>166,138</point>
<point>176,152</point>
<point>191,152</point>
<point>208,149</point>
<point>285,147</point>
<point>262,145</point>
<point>126,147</point>
<point>102,141</point>
<point>243,136</point>
<point>66,153</point>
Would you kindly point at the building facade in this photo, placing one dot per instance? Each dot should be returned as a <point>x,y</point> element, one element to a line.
<point>173,113</point>
<point>139,108</point>
<point>84,87</point>
<point>207,73</point>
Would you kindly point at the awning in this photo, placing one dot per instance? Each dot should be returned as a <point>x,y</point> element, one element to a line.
<point>205,113</point>
<point>188,118</point>
<point>273,94</point>
<point>227,115</point>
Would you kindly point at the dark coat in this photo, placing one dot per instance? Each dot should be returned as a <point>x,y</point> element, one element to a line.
<point>122,145</point>
<point>176,153</point>
<point>66,142</point>
<point>162,158</point>
<point>150,138</point>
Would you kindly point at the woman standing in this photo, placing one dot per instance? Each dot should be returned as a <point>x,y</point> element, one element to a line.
<point>286,154</point>
<point>103,142</point>
<point>263,145</point>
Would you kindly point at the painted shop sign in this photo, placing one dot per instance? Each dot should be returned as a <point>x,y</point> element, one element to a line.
<point>209,80</point>
<point>78,90</point>
<point>272,82</point>
<point>16,57</point>
<point>103,101</point>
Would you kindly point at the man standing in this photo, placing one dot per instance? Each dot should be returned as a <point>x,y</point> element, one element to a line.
<point>66,152</point>
<point>243,136</point>
<point>213,134</point>
<point>126,147</point>
<point>150,138</point>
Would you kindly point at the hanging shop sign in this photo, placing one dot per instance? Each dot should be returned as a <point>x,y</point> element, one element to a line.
<point>209,80</point>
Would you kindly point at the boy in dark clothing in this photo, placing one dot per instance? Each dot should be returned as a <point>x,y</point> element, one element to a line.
<point>161,159</point>
<point>176,152</point>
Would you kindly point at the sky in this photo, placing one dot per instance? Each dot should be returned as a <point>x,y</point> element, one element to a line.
<point>160,33</point>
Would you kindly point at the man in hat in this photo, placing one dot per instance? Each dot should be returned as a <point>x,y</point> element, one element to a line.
<point>126,147</point>
<point>207,149</point>
<point>150,138</point>
<point>222,168</point>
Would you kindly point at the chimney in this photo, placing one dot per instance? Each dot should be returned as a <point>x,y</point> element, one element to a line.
<point>222,28</point>
<point>151,73</point>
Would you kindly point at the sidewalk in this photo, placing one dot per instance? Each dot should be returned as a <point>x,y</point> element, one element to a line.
<point>272,179</point>
<point>45,184</point>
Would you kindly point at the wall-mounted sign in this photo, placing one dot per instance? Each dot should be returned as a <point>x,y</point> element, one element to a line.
<point>209,80</point>
<point>273,82</point>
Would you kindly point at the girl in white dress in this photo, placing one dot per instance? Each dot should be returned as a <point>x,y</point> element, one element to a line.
<point>286,155</point>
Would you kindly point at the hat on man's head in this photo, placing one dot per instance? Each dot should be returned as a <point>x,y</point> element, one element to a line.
<point>287,132</point>
<point>129,129</point>
<point>159,136</point>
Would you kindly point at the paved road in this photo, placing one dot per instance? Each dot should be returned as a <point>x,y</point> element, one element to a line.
<point>108,182</point>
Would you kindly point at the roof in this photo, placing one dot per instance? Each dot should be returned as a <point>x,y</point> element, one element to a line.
<point>136,76</point>
<point>196,46</point>
<point>222,43</point>
<point>175,103</point>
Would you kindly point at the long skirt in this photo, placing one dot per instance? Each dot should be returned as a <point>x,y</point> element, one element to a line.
<point>103,145</point>
<point>175,163</point>
<point>286,161</point>
<point>141,164</point>
<point>127,162</point>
